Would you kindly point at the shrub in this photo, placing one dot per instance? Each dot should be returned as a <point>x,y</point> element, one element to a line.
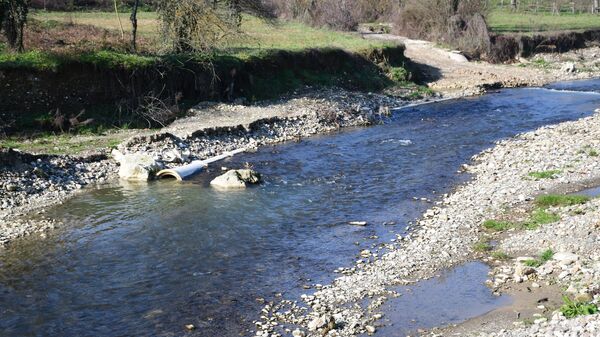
<point>337,14</point>
<point>573,309</point>
<point>458,23</point>
<point>398,74</point>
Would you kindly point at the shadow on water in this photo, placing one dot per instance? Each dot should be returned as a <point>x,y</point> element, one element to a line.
<point>148,259</point>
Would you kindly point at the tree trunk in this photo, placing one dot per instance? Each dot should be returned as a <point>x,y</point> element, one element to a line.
<point>13,17</point>
<point>134,25</point>
<point>513,5</point>
<point>596,6</point>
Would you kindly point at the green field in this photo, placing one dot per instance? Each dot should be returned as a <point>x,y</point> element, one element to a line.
<point>256,34</point>
<point>503,21</point>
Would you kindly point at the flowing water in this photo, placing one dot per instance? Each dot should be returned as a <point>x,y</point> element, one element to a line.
<point>146,260</point>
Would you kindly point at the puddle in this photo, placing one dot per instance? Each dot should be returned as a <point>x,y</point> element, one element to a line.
<point>592,192</point>
<point>453,297</point>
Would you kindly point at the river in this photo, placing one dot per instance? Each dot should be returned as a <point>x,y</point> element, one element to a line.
<point>147,259</point>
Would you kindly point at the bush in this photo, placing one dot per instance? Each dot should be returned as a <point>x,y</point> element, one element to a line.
<point>573,309</point>
<point>460,24</point>
<point>336,14</point>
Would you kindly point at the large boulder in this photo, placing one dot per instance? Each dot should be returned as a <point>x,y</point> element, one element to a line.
<point>236,179</point>
<point>137,166</point>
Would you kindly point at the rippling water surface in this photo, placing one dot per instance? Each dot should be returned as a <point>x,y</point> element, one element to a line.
<point>148,259</point>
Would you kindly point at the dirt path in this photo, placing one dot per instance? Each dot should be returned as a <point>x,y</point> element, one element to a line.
<point>451,73</point>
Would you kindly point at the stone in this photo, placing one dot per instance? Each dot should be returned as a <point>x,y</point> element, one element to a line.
<point>565,258</point>
<point>358,223</point>
<point>136,166</point>
<point>190,327</point>
<point>298,333</point>
<point>249,176</point>
<point>569,67</point>
<point>370,329</point>
<point>585,297</point>
<point>11,187</point>
<point>233,179</point>
<point>319,322</point>
<point>521,270</point>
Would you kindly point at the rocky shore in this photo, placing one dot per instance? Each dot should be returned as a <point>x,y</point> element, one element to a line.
<point>28,183</point>
<point>452,233</point>
<point>447,235</point>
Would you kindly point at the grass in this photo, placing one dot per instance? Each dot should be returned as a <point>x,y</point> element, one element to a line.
<point>589,151</point>
<point>504,21</point>
<point>571,308</point>
<point>498,255</point>
<point>482,246</point>
<point>553,200</point>
<point>497,226</point>
<point>257,36</point>
<point>544,257</point>
<point>64,143</point>
<point>538,217</point>
<point>550,174</point>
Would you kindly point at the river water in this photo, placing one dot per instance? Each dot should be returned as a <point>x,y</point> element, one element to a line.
<point>146,260</point>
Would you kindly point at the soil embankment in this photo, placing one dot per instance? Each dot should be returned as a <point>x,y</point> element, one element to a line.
<point>111,93</point>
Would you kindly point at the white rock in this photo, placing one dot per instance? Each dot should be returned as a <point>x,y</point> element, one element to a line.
<point>137,166</point>
<point>565,258</point>
<point>568,67</point>
<point>236,179</point>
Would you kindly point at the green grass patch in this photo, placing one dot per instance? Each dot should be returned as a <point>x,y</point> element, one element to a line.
<point>551,200</point>
<point>539,217</point>
<point>482,246</point>
<point>544,257</point>
<point>497,226</point>
<point>551,174</point>
<point>41,60</point>
<point>571,308</point>
<point>61,144</point>
<point>498,255</point>
<point>505,21</point>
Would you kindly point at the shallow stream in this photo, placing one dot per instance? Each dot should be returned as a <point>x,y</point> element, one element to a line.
<point>146,260</point>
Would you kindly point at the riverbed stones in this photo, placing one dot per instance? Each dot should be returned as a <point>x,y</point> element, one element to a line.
<point>565,258</point>
<point>236,179</point>
<point>137,166</point>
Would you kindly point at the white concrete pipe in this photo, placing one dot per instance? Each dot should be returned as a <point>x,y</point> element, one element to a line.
<point>186,171</point>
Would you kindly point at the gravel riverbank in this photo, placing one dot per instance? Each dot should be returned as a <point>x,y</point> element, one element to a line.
<point>442,238</point>
<point>28,183</point>
<point>448,233</point>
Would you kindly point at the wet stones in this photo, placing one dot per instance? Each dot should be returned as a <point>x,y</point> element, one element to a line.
<point>236,179</point>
